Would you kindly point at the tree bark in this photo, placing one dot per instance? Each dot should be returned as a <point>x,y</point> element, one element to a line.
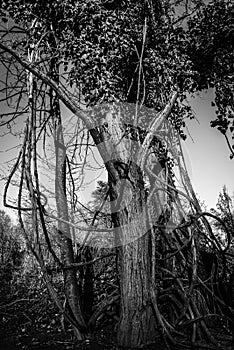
<point>137,325</point>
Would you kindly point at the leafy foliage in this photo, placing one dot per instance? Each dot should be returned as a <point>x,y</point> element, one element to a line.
<point>225,211</point>
<point>99,44</point>
<point>211,48</point>
<point>100,49</point>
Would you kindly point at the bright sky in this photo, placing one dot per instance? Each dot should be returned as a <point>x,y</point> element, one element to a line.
<point>211,167</point>
<point>207,155</point>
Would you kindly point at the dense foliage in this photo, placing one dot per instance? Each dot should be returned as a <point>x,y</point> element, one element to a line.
<point>99,44</point>
<point>11,253</point>
<point>211,36</point>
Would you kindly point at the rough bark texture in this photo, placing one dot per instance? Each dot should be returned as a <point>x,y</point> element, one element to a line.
<point>137,324</point>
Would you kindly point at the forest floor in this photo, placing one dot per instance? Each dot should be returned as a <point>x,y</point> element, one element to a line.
<point>34,323</point>
<point>37,327</point>
<point>56,339</point>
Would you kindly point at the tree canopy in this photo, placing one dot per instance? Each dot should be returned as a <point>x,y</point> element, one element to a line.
<point>101,44</point>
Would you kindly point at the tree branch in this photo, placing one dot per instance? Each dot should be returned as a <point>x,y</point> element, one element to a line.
<point>153,127</point>
<point>77,265</point>
<point>62,93</point>
<point>81,228</point>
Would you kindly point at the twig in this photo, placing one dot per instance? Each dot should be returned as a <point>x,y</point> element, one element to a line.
<point>140,72</point>
<point>77,265</point>
<point>82,228</point>
<point>14,302</point>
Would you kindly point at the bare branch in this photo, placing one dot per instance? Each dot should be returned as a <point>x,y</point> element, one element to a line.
<point>63,94</point>
<point>153,127</point>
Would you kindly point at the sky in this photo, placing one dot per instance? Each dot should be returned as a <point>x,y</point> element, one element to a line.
<point>206,153</point>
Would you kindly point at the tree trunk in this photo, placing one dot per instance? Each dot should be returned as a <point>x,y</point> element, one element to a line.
<point>137,324</point>
<point>70,278</point>
<point>71,289</point>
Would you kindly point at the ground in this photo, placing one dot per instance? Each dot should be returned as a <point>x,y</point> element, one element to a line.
<point>30,320</point>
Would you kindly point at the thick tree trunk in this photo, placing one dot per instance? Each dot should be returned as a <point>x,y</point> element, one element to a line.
<point>137,324</point>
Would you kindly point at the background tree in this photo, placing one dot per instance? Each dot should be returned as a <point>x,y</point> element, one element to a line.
<point>225,209</point>
<point>11,253</point>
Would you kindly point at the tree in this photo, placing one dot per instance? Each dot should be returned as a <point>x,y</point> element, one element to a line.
<point>225,225</point>
<point>212,53</point>
<point>124,69</point>
<point>11,253</point>
<point>225,209</point>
